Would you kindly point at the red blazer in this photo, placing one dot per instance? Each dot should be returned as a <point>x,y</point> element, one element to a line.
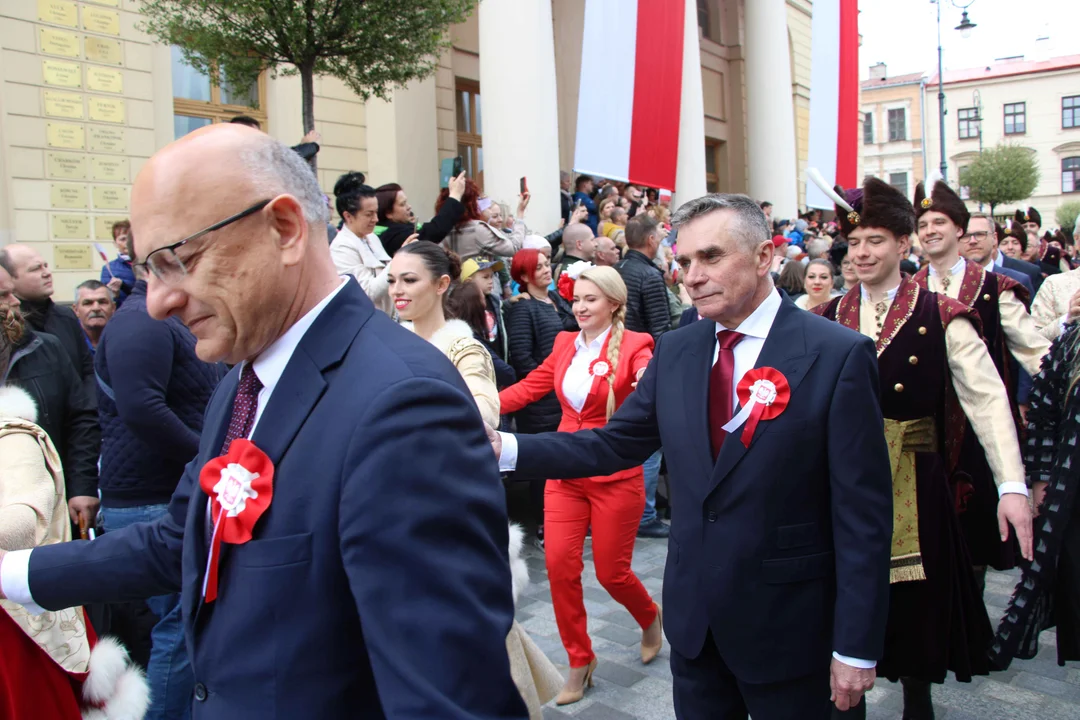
<point>635,353</point>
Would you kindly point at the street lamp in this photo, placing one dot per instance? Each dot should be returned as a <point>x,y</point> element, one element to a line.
<point>976,100</point>
<point>965,27</point>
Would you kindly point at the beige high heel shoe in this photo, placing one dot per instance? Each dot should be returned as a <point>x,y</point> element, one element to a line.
<point>649,652</point>
<point>568,696</point>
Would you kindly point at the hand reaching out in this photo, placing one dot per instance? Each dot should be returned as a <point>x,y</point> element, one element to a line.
<point>496,441</point>
<point>457,186</point>
<point>311,137</point>
<point>411,239</point>
<point>637,378</point>
<point>1014,509</point>
<point>522,204</point>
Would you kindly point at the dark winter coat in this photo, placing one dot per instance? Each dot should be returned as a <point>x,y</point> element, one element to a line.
<point>532,326</point>
<point>647,308</point>
<point>66,411</point>
<point>60,322</point>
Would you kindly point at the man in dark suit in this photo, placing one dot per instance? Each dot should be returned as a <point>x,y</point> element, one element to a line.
<point>1001,260</point>
<point>980,245</point>
<point>373,585</point>
<point>764,535</point>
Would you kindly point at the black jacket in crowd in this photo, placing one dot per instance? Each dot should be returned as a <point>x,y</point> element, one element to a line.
<point>60,322</point>
<point>66,411</point>
<point>435,230</point>
<point>152,395</point>
<point>532,326</point>
<point>647,307</point>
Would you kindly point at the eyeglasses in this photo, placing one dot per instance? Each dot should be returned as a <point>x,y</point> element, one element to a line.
<point>167,265</point>
<point>979,235</point>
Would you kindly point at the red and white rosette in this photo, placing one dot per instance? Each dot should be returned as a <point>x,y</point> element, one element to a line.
<point>240,485</point>
<point>764,394</point>
<point>600,368</point>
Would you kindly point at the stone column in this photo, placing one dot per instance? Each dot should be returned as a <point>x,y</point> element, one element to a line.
<point>770,114</point>
<point>690,171</point>
<point>520,114</point>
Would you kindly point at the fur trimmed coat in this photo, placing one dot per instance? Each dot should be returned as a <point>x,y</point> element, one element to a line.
<point>54,667</point>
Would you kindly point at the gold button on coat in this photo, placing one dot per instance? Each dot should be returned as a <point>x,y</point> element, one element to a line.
<point>898,387</point>
<point>922,331</point>
<point>986,297</point>
<point>913,360</point>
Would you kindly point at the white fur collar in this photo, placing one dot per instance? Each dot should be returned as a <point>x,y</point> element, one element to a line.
<point>446,335</point>
<point>16,402</point>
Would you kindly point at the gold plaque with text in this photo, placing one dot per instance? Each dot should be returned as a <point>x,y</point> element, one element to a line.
<point>102,21</point>
<point>110,197</point>
<point>104,79</point>
<point>58,12</point>
<point>63,105</point>
<point>116,169</point>
<point>68,196</point>
<point>110,3</point>
<point>65,166</point>
<point>58,42</point>
<point>104,50</point>
<point>106,109</point>
<point>64,135</point>
<point>106,139</point>
<point>70,227</point>
<point>71,256</point>
<point>103,226</point>
<point>61,74</point>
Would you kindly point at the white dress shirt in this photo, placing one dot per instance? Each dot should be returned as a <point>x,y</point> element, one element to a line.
<point>954,271</point>
<point>268,367</point>
<point>578,380</point>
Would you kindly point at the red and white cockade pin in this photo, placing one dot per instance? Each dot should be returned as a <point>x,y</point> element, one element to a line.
<point>600,368</point>
<point>763,393</point>
<point>240,485</point>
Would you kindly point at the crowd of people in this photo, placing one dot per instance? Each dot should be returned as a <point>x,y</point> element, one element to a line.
<point>851,544</point>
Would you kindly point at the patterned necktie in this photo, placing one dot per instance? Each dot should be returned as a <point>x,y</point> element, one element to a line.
<point>720,379</point>
<point>244,406</point>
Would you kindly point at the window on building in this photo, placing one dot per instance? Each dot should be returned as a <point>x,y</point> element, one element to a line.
<point>197,102</point>
<point>899,181</point>
<point>967,119</point>
<point>1015,118</point>
<point>707,20</point>
<point>469,130</point>
<point>713,164</point>
<point>1070,175</point>
<point>868,128</point>
<point>1070,112</point>
<point>897,125</point>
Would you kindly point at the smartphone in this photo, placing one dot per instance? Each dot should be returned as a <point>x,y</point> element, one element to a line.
<point>457,166</point>
<point>524,186</point>
<point>580,203</point>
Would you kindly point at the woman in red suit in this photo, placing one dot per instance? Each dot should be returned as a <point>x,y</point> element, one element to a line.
<point>592,372</point>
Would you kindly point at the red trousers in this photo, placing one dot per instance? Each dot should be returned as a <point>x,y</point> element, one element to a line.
<point>613,510</point>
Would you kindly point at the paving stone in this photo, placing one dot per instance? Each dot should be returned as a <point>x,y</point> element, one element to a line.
<point>597,594</point>
<point>551,713</point>
<point>1048,686</point>
<point>621,617</point>
<point>619,635</point>
<point>599,711</point>
<point>618,674</point>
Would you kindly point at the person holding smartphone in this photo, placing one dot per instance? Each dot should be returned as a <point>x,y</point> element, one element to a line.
<point>397,222</point>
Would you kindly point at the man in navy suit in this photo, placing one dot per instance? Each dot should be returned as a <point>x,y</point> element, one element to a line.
<point>375,584</point>
<point>778,561</point>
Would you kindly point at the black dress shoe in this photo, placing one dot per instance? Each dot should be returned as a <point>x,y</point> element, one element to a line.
<point>653,529</point>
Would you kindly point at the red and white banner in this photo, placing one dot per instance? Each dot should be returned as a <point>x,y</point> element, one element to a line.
<point>834,97</point>
<point>631,91</point>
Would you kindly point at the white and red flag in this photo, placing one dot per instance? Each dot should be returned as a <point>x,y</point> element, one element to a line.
<point>628,118</point>
<point>834,96</point>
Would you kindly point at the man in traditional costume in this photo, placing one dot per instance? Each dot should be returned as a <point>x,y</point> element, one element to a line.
<point>1048,593</point>
<point>1014,342</point>
<point>934,369</point>
<point>1057,303</point>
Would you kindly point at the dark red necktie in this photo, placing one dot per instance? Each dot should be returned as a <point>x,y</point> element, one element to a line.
<point>720,379</point>
<point>244,406</point>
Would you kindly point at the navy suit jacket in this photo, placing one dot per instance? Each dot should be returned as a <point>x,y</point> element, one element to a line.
<point>780,549</point>
<point>1020,277</point>
<point>377,584</point>
<point>1033,271</point>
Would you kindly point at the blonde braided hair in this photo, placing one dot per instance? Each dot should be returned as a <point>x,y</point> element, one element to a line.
<point>612,286</point>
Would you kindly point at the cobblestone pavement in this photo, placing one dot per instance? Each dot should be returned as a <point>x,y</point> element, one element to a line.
<point>625,689</point>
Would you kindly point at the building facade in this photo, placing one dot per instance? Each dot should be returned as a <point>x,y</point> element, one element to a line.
<point>1032,104</point>
<point>86,97</point>
<point>893,128</point>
